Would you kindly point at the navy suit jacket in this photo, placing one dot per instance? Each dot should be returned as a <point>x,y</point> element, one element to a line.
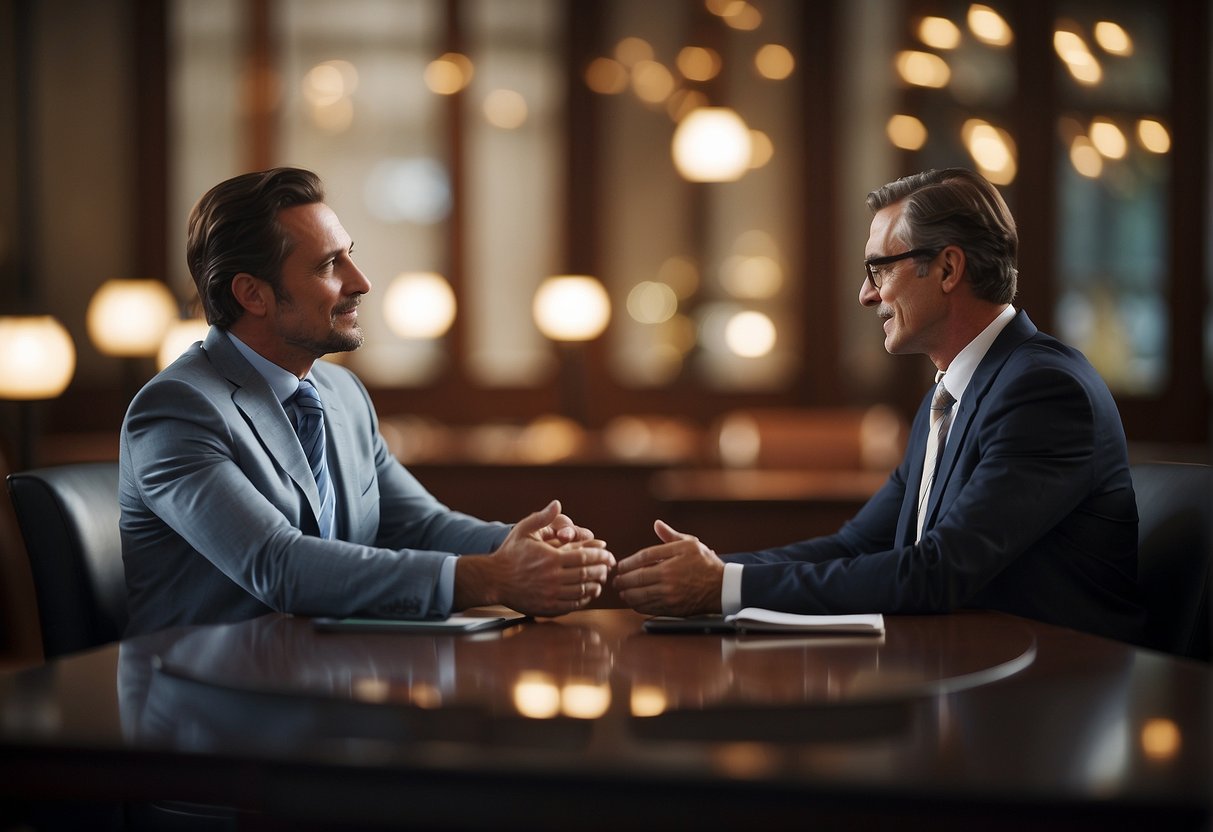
<point>219,505</point>
<point>1032,511</point>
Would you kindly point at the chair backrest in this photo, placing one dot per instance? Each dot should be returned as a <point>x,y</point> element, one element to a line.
<point>1174,542</point>
<point>68,515</point>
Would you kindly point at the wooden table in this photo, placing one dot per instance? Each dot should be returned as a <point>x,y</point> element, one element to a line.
<point>974,720</point>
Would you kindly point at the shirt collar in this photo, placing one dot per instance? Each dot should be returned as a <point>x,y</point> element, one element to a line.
<point>961,370</point>
<point>283,382</point>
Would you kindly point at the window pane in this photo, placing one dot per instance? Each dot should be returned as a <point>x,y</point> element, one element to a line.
<point>1113,176</point>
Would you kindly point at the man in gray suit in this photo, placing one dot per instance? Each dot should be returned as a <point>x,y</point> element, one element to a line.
<point>224,514</point>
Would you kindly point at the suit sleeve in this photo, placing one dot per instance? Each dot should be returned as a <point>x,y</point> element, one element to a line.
<point>1024,465</point>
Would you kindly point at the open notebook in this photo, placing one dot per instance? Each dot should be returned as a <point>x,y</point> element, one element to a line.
<point>758,620</point>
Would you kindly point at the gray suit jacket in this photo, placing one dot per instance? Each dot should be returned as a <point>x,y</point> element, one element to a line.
<point>219,505</point>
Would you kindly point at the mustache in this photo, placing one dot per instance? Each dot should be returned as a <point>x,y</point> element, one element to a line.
<point>348,307</point>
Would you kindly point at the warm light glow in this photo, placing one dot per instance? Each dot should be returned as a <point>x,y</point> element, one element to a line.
<point>571,308</point>
<point>652,82</point>
<point>762,149</point>
<point>724,8</point>
<point>505,109</point>
<point>128,318</point>
<point>1113,39</point>
<point>606,76</point>
<point>750,334</point>
<point>329,82</point>
<point>648,700</point>
<point>774,61</point>
<point>1160,739</point>
<point>585,700</point>
<point>419,305</point>
<point>536,695</point>
<point>37,357</point>
<point>181,335</point>
<point>631,51</point>
<point>698,63</point>
<point>988,26</point>
<point>683,102</point>
<point>651,302</point>
<point>1073,50</point>
<point>922,69</point>
<point>680,274</point>
<point>1085,158</point>
<point>1153,135</point>
<point>939,33</point>
<point>712,144</point>
<point>1108,139</point>
<point>752,276</point>
<point>371,689</point>
<point>742,16</point>
<point>993,149</point>
<point>333,118</point>
<point>449,73</point>
<point>906,132</point>
<point>739,441</point>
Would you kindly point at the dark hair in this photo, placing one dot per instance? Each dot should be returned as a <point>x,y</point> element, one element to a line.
<point>234,228</point>
<point>956,206</point>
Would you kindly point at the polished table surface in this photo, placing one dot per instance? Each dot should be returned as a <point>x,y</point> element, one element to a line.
<point>588,721</point>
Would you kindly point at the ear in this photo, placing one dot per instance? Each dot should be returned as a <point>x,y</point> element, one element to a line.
<point>952,263</point>
<point>252,293</point>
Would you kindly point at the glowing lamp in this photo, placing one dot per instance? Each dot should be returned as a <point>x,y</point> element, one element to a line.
<point>129,318</point>
<point>37,357</point>
<point>571,308</point>
<point>712,144</point>
<point>179,337</point>
<point>419,305</point>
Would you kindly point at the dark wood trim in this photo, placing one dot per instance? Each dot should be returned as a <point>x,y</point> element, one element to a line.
<point>820,71</point>
<point>262,91</point>
<point>149,228</point>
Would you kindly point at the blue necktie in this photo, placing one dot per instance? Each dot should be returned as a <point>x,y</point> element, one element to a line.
<point>309,424</point>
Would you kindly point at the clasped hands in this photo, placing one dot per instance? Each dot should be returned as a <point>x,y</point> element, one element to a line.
<point>549,566</point>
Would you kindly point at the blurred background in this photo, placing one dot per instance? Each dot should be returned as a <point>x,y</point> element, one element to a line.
<point>615,244</point>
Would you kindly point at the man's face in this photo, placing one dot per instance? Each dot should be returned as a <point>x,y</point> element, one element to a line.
<point>911,307</point>
<point>317,311</point>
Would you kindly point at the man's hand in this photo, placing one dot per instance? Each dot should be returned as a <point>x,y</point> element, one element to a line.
<point>533,572</point>
<point>679,576</point>
<point>562,530</point>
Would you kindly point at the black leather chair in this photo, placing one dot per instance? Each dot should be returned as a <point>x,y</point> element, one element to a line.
<point>68,516</point>
<point>1175,538</point>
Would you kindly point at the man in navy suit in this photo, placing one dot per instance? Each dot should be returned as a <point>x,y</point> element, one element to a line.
<point>224,514</point>
<point>1030,509</point>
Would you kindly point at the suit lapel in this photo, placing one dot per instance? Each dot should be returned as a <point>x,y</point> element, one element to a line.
<point>916,451</point>
<point>1019,330</point>
<point>263,413</point>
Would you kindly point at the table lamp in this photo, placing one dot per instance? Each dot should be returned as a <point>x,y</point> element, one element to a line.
<point>180,336</point>
<point>419,305</point>
<point>128,319</point>
<point>712,144</point>
<point>37,361</point>
<point>572,309</point>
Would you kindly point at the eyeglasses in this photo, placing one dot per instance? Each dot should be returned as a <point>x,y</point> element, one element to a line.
<point>874,264</point>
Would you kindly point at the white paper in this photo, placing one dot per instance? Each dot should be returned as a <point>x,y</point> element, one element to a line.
<point>756,619</point>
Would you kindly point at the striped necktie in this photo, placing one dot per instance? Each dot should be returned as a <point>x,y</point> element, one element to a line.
<point>941,420</point>
<point>309,424</point>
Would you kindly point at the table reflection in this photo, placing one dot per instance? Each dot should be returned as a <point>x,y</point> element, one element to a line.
<point>277,681</point>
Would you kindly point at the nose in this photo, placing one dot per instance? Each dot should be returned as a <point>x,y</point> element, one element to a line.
<point>356,282</point>
<point>869,295</point>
